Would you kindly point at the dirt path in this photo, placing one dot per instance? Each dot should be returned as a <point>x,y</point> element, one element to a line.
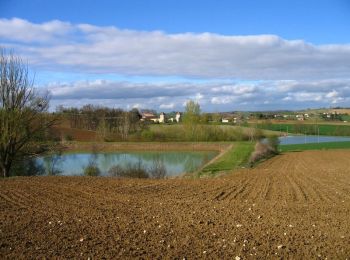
<point>296,205</point>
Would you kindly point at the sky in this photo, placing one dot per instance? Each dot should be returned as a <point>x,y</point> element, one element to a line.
<point>158,54</point>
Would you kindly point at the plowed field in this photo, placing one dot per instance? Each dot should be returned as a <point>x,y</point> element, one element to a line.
<point>295,205</point>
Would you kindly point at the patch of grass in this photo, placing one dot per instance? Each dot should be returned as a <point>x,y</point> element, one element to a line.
<point>314,146</point>
<point>308,129</point>
<point>235,157</point>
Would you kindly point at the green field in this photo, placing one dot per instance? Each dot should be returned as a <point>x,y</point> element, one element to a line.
<point>308,129</point>
<point>314,146</point>
<point>237,156</point>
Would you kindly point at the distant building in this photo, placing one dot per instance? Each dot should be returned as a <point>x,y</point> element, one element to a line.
<point>178,117</point>
<point>300,117</point>
<point>224,120</point>
<point>161,118</point>
<point>147,116</point>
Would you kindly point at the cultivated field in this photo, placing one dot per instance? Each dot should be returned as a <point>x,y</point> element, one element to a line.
<point>296,205</point>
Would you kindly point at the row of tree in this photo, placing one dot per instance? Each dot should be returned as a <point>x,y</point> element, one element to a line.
<point>110,123</point>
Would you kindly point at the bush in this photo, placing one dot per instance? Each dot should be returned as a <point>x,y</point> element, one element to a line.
<point>92,170</point>
<point>273,142</point>
<point>131,171</point>
<point>262,151</point>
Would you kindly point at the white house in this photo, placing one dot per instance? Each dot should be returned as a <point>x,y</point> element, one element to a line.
<point>177,117</point>
<point>149,117</point>
<point>161,118</point>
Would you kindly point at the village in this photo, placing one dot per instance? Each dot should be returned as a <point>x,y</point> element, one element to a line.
<point>241,117</point>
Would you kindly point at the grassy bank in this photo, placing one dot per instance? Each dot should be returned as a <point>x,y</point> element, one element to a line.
<point>236,156</point>
<point>314,146</point>
<point>145,146</point>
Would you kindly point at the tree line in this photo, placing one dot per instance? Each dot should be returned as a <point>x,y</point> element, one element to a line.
<point>109,123</point>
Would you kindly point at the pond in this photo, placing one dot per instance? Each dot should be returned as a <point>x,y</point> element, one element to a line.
<point>306,139</point>
<point>173,163</point>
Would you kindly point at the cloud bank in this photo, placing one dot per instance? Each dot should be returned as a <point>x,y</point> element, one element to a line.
<point>234,72</point>
<point>89,48</point>
<point>214,96</point>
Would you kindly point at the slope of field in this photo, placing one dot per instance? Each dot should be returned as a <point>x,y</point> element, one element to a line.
<point>236,156</point>
<point>295,205</point>
<point>331,129</point>
<point>314,146</point>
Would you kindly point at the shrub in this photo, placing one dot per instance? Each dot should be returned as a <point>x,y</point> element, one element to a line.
<point>131,171</point>
<point>273,142</point>
<point>262,151</point>
<point>92,170</point>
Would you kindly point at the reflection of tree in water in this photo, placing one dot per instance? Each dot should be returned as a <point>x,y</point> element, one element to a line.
<point>108,159</point>
<point>92,169</point>
<point>158,169</point>
<point>131,170</point>
<point>52,163</point>
<point>191,164</point>
<point>161,163</point>
<point>174,158</point>
<point>28,167</point>
<point>139,170</point>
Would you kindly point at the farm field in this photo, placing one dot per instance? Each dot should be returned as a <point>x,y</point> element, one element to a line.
<point>308,128</point>
<point>314,146</point>
<point>296,205</point>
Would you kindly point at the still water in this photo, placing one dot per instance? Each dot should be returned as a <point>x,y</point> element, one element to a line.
<point>306,139</point>
<point>175,163</point>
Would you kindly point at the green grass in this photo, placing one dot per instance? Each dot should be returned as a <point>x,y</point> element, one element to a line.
<point>236,157</point>
<point>314,146</point>
<point>309,129</point>
<point>346,118</point>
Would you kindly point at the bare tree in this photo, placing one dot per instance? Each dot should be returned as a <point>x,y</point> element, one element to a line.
<point>22,119</point>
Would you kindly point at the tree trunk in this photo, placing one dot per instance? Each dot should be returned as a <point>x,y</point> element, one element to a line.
<point>6,172</point>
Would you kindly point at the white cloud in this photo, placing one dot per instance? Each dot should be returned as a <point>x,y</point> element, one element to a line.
<point>167,106</point>
<point>211,96</point>
<point>332,94</point>
<point>221,100</point>
<point>24,31</point>
<point>275,72</point>
<point>89,48</point>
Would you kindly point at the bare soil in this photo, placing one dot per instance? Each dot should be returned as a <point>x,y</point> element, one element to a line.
<point>295,205</point>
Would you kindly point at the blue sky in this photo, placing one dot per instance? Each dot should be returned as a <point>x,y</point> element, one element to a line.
<point>316,21</point>
<point>228,55</point>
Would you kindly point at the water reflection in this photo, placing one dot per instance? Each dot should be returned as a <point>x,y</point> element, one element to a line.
<point>27,167</point>
<point>156,164</point>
